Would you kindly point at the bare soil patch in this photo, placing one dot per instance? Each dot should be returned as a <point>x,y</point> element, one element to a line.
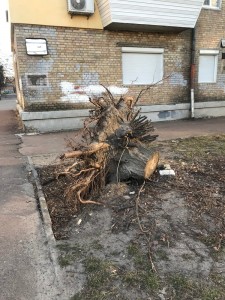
<point>173,248</point>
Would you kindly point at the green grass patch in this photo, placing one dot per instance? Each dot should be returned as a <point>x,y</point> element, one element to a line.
<point>143,277</point>
<point>140,259</point>
<point>65,260</point>
<point>69,254</point>
<point>201,147</point>
<point>100,278</point>
<point>182,286</point>
<point>161,255</point>
<point>212,294</point>
<point>99,272</point>
<point>150,281</point>
<point>96,245</point>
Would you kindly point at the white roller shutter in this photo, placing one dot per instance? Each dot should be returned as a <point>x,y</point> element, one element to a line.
<point>142,65</point>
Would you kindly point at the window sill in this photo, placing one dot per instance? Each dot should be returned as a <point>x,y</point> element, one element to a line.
<point>214,82</point>
<point>211,7</point>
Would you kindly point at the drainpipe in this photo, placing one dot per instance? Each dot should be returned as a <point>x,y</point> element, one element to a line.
<point>192,76</point>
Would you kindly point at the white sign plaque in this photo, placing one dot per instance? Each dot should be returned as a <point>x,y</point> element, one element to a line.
<point>36,46</point>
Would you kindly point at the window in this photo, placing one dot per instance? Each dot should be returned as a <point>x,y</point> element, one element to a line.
<point>36,80</point>
<point>207,72</point>
<point>142,65</point>
<point>212,3</point>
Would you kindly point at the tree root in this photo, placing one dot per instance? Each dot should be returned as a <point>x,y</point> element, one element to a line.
<point>77,191</point>
<point>93,148</point>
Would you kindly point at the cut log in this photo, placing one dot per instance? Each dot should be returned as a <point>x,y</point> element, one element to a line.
<point>151,165</point>
<point>132,163</point>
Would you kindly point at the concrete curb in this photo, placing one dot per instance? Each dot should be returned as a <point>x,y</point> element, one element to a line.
<point>47,224</point>
<point>61,120</point>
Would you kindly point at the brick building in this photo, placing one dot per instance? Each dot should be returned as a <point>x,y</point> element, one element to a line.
<point>61,59</point>
<point>209,58</point>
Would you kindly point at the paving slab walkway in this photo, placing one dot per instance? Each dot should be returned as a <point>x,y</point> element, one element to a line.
<point>56,142</point>
<point>26,271</point>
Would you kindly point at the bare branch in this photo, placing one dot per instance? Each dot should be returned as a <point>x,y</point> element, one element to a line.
<point>143,91</point>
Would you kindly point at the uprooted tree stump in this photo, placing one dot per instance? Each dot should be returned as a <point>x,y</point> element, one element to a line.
<point>116,139</point>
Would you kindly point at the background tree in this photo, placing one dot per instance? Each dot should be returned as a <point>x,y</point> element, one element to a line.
<point>2,79</point>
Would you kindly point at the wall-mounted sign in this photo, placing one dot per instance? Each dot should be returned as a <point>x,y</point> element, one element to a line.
<point>36,46</point>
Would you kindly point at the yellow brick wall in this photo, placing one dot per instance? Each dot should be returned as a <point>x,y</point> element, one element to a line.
<point>90,57</point>
<point>210,29</point>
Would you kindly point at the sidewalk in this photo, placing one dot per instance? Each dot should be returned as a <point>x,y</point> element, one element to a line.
<point>8,103</point>
<point>26,272</point>
<point>190,128</point>
<point>56,142</point>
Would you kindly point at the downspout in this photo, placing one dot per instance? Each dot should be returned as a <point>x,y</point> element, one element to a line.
<point>192,76</point>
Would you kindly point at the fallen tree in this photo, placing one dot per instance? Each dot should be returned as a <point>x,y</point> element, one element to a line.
<point>115,148</point>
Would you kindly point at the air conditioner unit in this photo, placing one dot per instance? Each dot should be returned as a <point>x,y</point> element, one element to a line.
<point>81,7</point>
